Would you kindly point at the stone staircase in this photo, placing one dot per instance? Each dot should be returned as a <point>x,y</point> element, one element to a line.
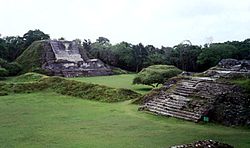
<point>175,102</point>
<point>55,46</point>
<point>48,55</point>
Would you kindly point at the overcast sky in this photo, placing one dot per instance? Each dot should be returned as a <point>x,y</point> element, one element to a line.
<point>156,22</point>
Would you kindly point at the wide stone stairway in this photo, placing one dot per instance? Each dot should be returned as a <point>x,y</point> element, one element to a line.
<point>175,102</point>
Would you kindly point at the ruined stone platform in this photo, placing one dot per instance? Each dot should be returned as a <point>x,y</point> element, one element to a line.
<point>193,98</point>
<point>68,59</point>
<point>227,68</point>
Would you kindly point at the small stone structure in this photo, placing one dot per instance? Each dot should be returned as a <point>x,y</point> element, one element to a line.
<point>230,68</point>
<point>204,144</point>
<point>68,59</point>
<point>201,98</point>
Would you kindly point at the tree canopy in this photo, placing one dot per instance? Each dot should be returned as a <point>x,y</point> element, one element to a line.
<point>135,57</point>
<point>13,46</point>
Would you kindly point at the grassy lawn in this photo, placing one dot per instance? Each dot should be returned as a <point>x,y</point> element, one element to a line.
<point>48,119</point>
<point>116,81</point>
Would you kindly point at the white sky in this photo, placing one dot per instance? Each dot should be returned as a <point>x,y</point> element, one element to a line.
<point>156,22</point>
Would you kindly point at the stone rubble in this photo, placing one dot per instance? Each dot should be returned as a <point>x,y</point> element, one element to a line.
<point>204,144</point>
<point>227,68</point>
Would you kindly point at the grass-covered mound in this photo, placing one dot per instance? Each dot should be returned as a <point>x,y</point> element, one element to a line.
<point>32,58</point>
<point>156,74</point>
<point>118,71</point>
<point>71,88</point>
<point>25,78</point>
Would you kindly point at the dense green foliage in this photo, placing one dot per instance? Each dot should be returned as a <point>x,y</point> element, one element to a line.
<point>185,56</point>
<point>116,81</point>
<point>156,74</point>
<point>48,119</point>
<point>131,57</point>
<point>3,72</point>
<point>210,56</point>
<point>9,69</point>
<point>125,55</point>
<point>71,88</point>
<point>13,46</point>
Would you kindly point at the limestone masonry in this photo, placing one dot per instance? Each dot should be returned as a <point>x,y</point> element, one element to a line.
<point>68,59</point>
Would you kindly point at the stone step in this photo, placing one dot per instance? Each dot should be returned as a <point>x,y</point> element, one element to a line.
<point>181,87</point>
<point>167,104</point>
<point>178,101</point>
<point>179,98</point>
<point>185,88</point>
<point>190,86</point>
<point>174,105</point>
<point>190,81</point>
<point>181,102</point>
<point>173,114</point>
<point>202,79</point>
<point>168,114</point>
<point>170,101</point>
<point>183,91</point>
<point>180,94</point>
<point>163,97</point>
<point>165,108</point>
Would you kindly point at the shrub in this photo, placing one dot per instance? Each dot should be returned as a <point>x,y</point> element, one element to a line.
<point>3,72</point>
<point>156,74</point>
<point>3,63</point>
<point>12,68</point>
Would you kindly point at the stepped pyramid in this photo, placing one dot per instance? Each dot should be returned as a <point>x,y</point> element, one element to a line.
<point>193,98</point>
<point>68,59</point>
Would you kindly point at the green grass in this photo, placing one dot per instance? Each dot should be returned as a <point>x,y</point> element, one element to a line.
<point>47,119</point>
<point>245,83</point>
<point>116,81</point>
<point>24,78</point>
<point>71,88</point>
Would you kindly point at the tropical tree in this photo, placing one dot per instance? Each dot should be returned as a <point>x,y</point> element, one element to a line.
<point>140,55</point>
<point>210,56</point>
<point>34,35</point>
<point>184,56</point>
